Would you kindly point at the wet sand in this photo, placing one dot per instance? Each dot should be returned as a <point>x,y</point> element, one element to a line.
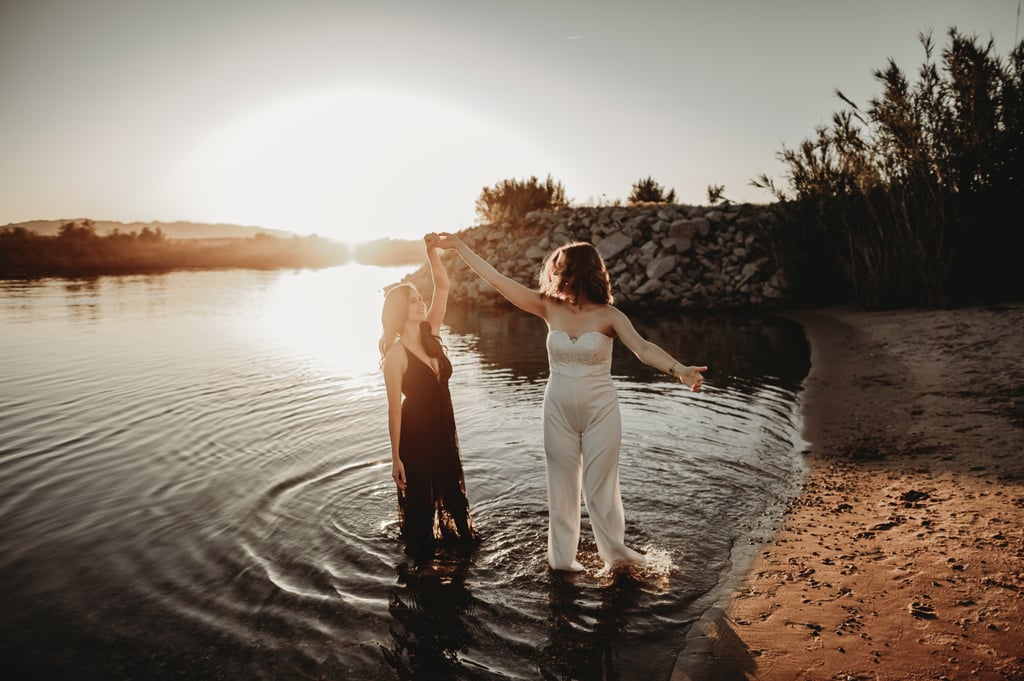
<point>903,558</point>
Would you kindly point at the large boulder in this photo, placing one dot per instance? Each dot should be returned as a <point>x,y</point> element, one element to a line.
<point>613,244</point>
<point>659,267</point>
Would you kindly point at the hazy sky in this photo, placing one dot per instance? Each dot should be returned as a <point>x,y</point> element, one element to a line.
<point>366,119</point>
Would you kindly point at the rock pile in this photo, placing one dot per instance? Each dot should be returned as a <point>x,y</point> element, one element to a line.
<point>659,256</point>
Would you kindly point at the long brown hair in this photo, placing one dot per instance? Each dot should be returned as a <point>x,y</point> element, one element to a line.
<point>393,317</point>
<point>574,271</point>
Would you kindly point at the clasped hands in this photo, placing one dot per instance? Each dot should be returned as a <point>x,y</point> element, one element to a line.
<point>443,240</point>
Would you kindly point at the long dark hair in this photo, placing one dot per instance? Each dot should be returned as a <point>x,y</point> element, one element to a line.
<point>431,343</point>
<point>393,317</point>
<point>573,271</point>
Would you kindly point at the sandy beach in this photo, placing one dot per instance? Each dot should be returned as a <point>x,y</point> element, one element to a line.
<point>903,558</point>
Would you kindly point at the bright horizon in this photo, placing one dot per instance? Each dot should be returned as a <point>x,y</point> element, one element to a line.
<point>360,121</point>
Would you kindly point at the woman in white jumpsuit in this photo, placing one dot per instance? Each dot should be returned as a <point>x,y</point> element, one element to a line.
<point>582,426</point>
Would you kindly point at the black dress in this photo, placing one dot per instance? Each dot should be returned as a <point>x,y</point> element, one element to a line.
<point>433,509</point>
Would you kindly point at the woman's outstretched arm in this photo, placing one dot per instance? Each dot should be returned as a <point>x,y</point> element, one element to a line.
<point>439,275</point>
<point>521,296</point>
<point>653,355</point>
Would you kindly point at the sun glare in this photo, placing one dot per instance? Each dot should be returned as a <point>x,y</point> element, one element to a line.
<point>331,317</point>
<point>353,165</point>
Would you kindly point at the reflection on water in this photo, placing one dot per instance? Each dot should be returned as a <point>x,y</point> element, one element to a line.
<point>740,349</point>
<point>430,630</point>
<point>585,639</point>
<point>194,483</point>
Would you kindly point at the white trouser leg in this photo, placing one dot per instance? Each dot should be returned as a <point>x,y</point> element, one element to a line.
<point>601,441</point>
<point>564,476</point>
<point>582,436</point>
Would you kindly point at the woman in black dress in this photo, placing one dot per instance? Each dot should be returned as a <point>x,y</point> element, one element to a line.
<point>433,509</point>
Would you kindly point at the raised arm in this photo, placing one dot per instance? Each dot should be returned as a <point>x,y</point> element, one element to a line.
<point>439,275</point>
<point>521,296</point>
<point>652,355</point>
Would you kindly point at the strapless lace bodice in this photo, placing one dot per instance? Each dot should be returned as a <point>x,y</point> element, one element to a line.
<point>588,355</point>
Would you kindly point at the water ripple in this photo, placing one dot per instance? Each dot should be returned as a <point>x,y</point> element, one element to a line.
<point>173,479</point>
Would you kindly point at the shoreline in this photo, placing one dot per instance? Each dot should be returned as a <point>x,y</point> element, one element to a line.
<point>903,555</point>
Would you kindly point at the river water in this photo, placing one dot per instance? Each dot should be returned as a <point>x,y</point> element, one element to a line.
<point>195,484</point>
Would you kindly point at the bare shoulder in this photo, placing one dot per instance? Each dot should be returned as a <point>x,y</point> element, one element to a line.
<point>618,322</point>
<point>395,358</point>
<point>549,306</point>
<point>611,315</point>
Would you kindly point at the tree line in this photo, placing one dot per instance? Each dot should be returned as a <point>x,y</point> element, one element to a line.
<point>510,200</point>
<point>79,250</point>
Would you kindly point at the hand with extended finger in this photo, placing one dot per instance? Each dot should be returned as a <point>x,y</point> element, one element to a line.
<point>690,376</point>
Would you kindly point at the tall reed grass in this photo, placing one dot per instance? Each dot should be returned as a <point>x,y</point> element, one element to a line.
<point>914,199</point>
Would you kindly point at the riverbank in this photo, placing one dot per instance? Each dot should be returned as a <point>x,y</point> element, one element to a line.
<point>903,558</point>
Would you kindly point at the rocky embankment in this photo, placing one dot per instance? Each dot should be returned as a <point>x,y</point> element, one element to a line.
<point>659,256</point>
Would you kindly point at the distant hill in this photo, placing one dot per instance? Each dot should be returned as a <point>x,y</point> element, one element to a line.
<point>172,230</point>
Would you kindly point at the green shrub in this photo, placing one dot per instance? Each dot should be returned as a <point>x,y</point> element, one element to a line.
<point>510,200</point>
<point>646,190</point>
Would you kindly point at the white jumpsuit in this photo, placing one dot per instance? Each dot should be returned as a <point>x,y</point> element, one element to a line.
<point>582,434</point>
